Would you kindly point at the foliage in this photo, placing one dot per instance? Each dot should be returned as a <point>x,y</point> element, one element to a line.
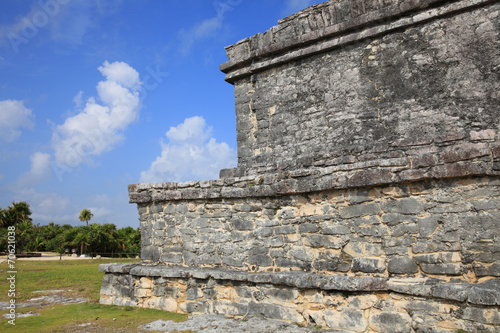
<point>86,215</point>
<point>95,238</point>
<point>15,214</point>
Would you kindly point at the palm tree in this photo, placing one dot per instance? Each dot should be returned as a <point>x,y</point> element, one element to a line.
<point>16,213</point>
<point>82,239</point>
<point>86,215</point>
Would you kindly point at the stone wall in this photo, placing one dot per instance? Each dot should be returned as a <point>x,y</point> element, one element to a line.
<point>431,228</point>
<point>367,192</point>
<point>346,304</point>
<point>414,91</point>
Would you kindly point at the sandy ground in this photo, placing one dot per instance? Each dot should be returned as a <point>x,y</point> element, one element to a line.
<point>51,256</point>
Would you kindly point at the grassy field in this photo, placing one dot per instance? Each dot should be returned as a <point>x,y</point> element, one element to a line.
<point>79,278</point>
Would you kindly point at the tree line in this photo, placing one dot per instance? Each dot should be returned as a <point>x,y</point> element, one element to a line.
<point>95,238</point>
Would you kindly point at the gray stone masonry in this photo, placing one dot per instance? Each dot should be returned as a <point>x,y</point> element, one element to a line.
<point>435,228</point>
<point>415,89</point>
<point>367,192</point>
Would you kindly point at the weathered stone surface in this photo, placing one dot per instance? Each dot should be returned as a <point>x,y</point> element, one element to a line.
<point>368,265</point>
<point>352,320</point>
<point>486,293</point>
<point>189,290</point>
<point>366,196</point>
<point>391,322</point>
<point>402,265</point>
<point>451,291</point>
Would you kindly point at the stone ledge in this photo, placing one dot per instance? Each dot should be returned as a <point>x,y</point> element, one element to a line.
<point>456,164</point>
<point>485,293</point>
<point>320,34</point>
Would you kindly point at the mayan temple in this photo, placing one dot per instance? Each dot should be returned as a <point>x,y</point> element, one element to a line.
<point>367,192</point>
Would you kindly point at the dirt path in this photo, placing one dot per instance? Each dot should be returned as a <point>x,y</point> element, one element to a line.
<point>51,256</point>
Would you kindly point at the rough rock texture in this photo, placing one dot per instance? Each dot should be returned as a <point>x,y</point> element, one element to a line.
<point>223,324</point>
<point>346,303</point>
<point>428,94</point>
<point>367,192</point>
<point>446,227</point>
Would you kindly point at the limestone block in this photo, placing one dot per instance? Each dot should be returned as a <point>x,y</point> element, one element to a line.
<point>427,225</point>
<point>403,206</point>
<point>390,322</point>
<point>347,319</point>
<point>359,210</point>
<point>491,270</point>
<point>145,283</point>
<point>142,293</point>
<point>402,265</point>
<point>194,307</point>
<point>230,308</point>
<point>451,291</point>
<point>368,265</point>
<point>125,302</point>
<point>363,302</point>
<point>275,311</point>
<point>443,269</point>
<point>482,315</point>
<point>193,293</point>
<point>486,293</point>
<point>106,300</point>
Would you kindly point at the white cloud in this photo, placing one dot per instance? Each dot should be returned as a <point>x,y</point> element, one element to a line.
<point>40,169</point>
<point>121,73</point>
<point>190,154</point>
<point>40,164</point>
<point>100,125</point>
<point>72,21</point>
<point>208,27</point>
<point>48,207</point>
<point>13,115</point>
<point>40,15</point>
<point>78,100</point>
<point>202,30</point>
<point>61,20</point>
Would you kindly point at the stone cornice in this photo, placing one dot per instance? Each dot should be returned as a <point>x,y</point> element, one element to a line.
<point>485,293</point>
<point>331,25</point>
<point>449,164</point>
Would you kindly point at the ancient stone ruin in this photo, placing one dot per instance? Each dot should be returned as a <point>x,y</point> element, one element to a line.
<point>367,192</point>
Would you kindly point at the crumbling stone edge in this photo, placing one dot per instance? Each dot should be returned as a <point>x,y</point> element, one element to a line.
<point>456,164</point>
<point>284,43</point>
<point>486,293</point>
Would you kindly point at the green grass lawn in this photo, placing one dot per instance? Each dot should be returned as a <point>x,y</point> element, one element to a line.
<point>81,278</point>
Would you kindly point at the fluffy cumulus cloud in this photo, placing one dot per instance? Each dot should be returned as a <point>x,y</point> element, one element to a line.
<point>99,126</point>
<point>13,116</point>
<point>190,154</point>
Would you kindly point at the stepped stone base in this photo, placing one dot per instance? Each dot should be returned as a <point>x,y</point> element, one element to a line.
<point>347,303</point>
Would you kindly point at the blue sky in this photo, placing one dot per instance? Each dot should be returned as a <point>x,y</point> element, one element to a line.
<point>98,94</point>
